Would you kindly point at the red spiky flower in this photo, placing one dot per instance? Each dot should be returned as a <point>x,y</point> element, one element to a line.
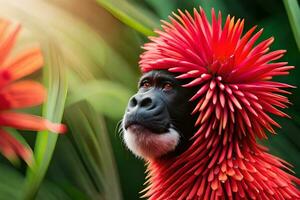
<point>235,96</point>
<point>17,94</point>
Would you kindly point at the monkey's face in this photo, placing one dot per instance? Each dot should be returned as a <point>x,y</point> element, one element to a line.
<point>157,121</point>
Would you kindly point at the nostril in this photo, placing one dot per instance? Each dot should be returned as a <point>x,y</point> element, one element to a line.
<point>133,102</point>
<point>146,102</point>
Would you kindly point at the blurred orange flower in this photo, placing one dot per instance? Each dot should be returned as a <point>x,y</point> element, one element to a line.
<point>15,93</point>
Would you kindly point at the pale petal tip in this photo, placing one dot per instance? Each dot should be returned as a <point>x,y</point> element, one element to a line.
<point>57,128</point>
<point>27,156</point>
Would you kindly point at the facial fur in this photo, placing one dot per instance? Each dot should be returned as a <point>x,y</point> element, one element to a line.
<point>146,144</point>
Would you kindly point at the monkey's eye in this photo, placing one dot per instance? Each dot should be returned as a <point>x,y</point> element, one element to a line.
<point>145,84</point>
<point>167,86</point>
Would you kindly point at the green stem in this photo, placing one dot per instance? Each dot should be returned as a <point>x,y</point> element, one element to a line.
<point>293,12</point>
<point>52,110</point>
<point>125,18</point>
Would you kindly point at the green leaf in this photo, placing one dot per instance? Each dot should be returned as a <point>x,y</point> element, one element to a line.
<point>163,8</point>
<point>107,97</point>
<point>135,17</point>
<point>76,181</point>
<point>91,138</point>
<point>284,143</point>
<point>293,12</point>
<point>10,181</point>
<point>207,5</point>
<point>52,110</point>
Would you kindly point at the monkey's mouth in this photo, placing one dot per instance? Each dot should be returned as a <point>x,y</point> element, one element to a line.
<point>139,129</point>
<point>150,127</point>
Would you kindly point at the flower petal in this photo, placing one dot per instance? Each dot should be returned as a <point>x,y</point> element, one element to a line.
<point>22,94</point>
<point>22,65</point>
<point>11,147</point>
<point>3,26</point>
<point>6,44</point>
<point>235,101</point>
<point>29,122</point>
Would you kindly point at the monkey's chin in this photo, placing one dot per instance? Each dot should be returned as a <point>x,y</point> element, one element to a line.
<point>149,145</point>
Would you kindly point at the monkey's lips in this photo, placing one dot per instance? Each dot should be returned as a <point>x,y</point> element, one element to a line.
<point>139,129</point>
<point>148,144</point>
<point>154,127</point>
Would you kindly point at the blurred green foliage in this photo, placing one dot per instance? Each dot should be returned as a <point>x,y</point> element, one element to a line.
<point>92,50</point>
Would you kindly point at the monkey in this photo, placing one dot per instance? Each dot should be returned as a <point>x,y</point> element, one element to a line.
<point>203,100</point>
<point>158,121</point>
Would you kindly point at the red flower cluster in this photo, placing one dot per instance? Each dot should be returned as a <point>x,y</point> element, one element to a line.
<point>235,96</point>
<point>16,94</point>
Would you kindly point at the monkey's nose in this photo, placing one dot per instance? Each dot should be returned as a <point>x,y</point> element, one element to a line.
<point>148,110</point>
<point>140,101</point>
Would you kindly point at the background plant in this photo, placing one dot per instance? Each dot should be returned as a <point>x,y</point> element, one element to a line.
<point>91,50</point>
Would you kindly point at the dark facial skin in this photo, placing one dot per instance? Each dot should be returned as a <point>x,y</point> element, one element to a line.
<point>160,103</point>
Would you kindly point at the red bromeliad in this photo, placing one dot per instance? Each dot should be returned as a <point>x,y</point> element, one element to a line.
<point>235,97</point>
<point>16,94</point>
